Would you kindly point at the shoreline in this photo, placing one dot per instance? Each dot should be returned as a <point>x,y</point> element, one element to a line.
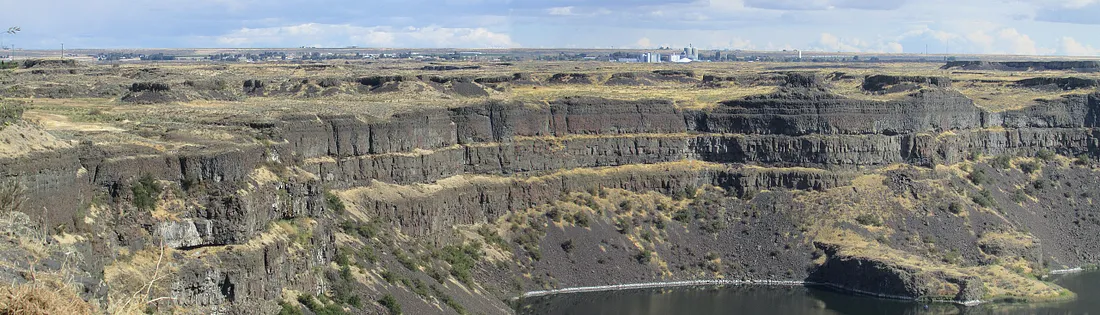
<point>1067,271</point>
<point>721,282</point>
<point>703,283</point>
<point>654,285</point>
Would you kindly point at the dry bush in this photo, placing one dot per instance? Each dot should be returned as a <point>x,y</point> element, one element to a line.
<point>11,196</point>
<point>42,297</point>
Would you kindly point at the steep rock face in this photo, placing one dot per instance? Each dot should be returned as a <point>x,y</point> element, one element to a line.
<point>444,155</point>
<point>1075,111</point>
<point>55,183</point>
<point>887,279</point>
<point>342,136</point>
<point>802,112</point>
<point>1024,65</point>
<point>424,210</point>
<point>241,280</point>
<point>601,116</point>
<point>894,83</point>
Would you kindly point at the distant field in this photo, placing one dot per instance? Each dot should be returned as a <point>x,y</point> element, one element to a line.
<point>102,99</point>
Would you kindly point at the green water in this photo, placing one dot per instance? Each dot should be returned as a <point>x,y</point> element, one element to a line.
<point>791,300</point>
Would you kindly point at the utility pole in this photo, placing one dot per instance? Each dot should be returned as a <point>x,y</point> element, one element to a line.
<point>62,51</point>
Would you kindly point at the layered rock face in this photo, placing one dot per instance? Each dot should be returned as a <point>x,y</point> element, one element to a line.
<point>1024,65</point>
<point>796,128</point>
<point>891,280</point>
<point>423,173</point>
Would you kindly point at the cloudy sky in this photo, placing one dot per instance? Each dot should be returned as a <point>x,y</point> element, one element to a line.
<point>1057,27</point>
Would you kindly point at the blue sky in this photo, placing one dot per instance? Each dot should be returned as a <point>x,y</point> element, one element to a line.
<point>1047,27</point>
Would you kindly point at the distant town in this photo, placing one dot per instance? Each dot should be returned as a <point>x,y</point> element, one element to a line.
<point>660,55</point>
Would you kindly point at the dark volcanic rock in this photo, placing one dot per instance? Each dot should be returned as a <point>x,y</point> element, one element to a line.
<point>1070,83</point>
<point>469,89</point>
<point>449,68</point>
<point>603,116</point>
<point>895,84</point>
<point>253,87</point>
<point>806,111</point>
<point>628,79</point>
<point>1024,65</point>
<point>570,78</point>
<point>149,86</point>
<point>888,279</point>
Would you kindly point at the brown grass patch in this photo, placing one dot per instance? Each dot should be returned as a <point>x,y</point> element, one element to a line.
<point>43,297</point>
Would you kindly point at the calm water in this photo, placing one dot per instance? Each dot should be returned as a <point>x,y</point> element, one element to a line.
<point>789,300</point>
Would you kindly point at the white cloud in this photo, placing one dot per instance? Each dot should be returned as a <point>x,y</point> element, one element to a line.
<point>1072,47</point>
<point>825,4</point>
<point>830,42</point>
<point>1016,42</point>
<point>644,43</point>
<point>560,11</point>
<point>739,43</point>
<point>1069,4</point>
<point>1003,40</point>
<point>340,35</point>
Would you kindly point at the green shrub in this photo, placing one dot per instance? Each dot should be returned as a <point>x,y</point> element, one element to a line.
<point>420,288</point>
<point>320,306</point>
<point>288,309</point>
<point>581,219</point>
<point>447,299</point>
<point>952,257</point>
<point>682,216</point>
<point>1002,162</point>
<point>714,225</point>
<point>10,113</point>
<point>146,190</point>
<point>334,203</point>
<point>1083,160</point>
<point>644,257</point>
<point>977,176</point>
<point>389,277</point>
<point>1045,155</point>
<point>367,230</point>
<point>309,301</point>
<point>492,237</point>
<point>1041,184</point>
<point>1019,196</point>
<point>567,246</point>
<point>391,304</point>
<point>869,220</point>
<point>984,199</point>
<point>623,226</point>
<point>462,259</point>
<point>955,208</point>
<point>409,262</point>
<point>1029,167</point>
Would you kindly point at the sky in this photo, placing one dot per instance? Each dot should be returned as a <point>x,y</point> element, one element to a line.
<point>1028,27</point>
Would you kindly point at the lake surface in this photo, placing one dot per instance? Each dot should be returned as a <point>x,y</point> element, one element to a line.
<point>791,300</point>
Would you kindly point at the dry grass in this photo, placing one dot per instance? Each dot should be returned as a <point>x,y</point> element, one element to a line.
<point>1000,281</point>
<point>139,280</point>
<point>685,96</point>
<point>26,138</point>
<point>43,298</point>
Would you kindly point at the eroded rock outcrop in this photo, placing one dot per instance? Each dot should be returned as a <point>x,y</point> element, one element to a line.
<point>894,280</point>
